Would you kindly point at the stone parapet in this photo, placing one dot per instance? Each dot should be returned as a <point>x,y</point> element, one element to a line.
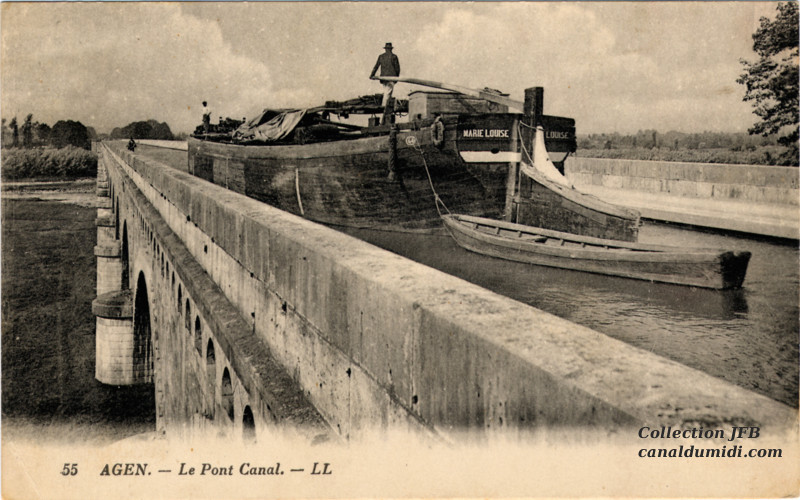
<point>375,339</point>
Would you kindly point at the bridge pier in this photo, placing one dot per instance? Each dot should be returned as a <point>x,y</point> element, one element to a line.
<point>115,342</point>
<point>102,177</point>
<point>109,267</point>
<point>114,338</point>
<point>108,250</point>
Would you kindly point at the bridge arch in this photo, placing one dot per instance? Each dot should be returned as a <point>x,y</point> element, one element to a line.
<point>116,219</point>
<point>125,257</point>
<point>226,393</point>
<point>187,320</point>
<point>198,335</point>
<point>248,425</point>
<point>211,364</point>
<point>142,334</point>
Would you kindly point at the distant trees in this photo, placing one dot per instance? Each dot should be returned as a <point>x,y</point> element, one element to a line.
<point>707,147</point>
<point>69,133</point>
<point>42,133</point>
<point>35,134</point>
<point>150,129</point>
<point>14,132</point>
<point>32,134</point>
<point>772,80</point>
<point>650,139</point>
<point>27,132</point>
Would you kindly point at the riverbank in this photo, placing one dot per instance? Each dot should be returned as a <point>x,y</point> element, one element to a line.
<point>79,192</point>
<point>48,384</point>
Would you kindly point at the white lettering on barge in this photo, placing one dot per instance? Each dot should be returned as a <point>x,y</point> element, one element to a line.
<point>483,133</point>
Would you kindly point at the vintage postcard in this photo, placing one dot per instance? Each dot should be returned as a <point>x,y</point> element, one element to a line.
<point>400,249</point>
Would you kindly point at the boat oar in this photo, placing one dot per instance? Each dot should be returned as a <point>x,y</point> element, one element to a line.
<point>481,94</point>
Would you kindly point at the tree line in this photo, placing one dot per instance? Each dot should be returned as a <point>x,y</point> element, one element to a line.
<point>650,139</point>
<point>34,134</point>
<point>150,129</point>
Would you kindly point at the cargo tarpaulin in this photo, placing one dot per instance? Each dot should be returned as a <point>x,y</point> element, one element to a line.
<point>270,125</point>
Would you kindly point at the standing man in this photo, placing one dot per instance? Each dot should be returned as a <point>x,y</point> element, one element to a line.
<point>206,117</point>
<point>390,66</point>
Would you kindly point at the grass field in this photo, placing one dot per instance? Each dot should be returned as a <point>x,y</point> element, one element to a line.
<point>48,284</point>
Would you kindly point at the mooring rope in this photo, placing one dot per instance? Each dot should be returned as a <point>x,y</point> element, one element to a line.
<point>519,133</point>
<point>437,200</point>
<point>297,190</point>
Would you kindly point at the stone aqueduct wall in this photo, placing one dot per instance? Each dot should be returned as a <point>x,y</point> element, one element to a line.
<point>320,329</point>
<point>754,183</point>
<point>162,320</point>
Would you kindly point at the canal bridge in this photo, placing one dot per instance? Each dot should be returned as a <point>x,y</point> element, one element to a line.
<point>246,319</point>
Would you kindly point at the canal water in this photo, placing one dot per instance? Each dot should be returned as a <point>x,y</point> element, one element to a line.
<point>748,337</point>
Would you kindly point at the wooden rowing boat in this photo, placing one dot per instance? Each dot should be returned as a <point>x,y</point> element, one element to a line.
<point>705,268</point>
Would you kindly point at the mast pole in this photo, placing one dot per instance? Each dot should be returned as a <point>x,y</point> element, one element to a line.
<point>532,115</point>
<point>513,170</point>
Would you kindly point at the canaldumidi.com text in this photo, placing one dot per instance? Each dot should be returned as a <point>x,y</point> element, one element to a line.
<point>691,451</point>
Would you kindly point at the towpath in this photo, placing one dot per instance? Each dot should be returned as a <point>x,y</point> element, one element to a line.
<point>775,220</point>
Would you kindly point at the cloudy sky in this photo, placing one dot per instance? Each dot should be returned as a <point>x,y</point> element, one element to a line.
<point>612,66</point>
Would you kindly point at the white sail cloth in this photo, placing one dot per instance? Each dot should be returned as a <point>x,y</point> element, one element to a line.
<point>542,163</point>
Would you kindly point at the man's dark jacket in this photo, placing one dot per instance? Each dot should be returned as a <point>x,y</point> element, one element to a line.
<point>389,64</point>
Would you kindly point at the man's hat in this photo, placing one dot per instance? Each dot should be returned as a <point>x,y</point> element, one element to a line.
<point>388,45</point>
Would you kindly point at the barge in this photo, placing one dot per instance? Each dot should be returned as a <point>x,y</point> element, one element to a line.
<point>458,149</point>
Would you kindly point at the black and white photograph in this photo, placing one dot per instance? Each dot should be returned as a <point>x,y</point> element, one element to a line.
<point>400,249</point>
